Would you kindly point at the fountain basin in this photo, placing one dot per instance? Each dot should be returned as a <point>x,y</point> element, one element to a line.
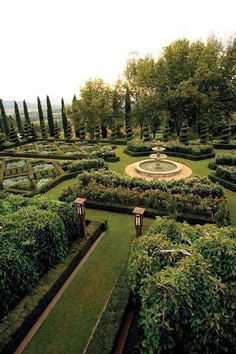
<point>167,168</point>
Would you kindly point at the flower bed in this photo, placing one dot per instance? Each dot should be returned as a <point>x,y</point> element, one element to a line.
<point>184,279</point>
<point>195,196</point>
<point>39,176</point>
<point>59,150</point>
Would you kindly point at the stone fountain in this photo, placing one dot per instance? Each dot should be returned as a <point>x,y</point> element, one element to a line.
<point>157,165</point>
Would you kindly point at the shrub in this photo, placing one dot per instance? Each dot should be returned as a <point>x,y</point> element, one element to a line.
<point>226,172</point>
<point>183,277</point>
<point>39,234</point>
<point>195,150</point>
<point>18,275</point>
<point>86,165</point>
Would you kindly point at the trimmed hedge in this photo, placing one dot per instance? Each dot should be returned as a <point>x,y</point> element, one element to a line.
<point>38,231</point>
<point>224,146</point>
<point>223,182</point>
<point>184,277</point>
<point>227,173</point>
<point>195,196</point>
<point>190,157</point>
<point>15,326</point>
<point>110,322</point>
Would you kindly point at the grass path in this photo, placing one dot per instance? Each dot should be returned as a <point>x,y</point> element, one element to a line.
<point>68,327</point>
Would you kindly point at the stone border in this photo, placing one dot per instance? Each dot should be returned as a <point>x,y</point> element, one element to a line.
<point>140,170</point>
<point>185,173</point>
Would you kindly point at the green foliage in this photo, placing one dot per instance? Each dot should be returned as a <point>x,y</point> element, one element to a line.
<point>226,172</point>
<point>12,137</point>
<point>184,131</point>
<point>33,132</point>
<point>18,118</point>
<point>26,113</point>
<point>166,132</point>
<point>4,118</point>
<point>196,197</point>
<point>226,134</point>
<point>34,235</point>
<point>69,132</point>
<point>129,132</point>
<point>50,116</point>
<point>184,285</point>
<point>27,131</point>
<point>146,132</point>
<point>83,164</point>
<point>204,132</point>
<point>114,131</point>
<point>63,117</point>
<point>82,130</point>
<point>56,131</point>
<point>2,138</point>
<point>195,150</point>
<point>229,160</point>
<point>97,133</point>
<point>41,119</point>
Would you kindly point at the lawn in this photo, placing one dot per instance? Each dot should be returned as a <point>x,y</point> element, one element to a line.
<point>69,325</point>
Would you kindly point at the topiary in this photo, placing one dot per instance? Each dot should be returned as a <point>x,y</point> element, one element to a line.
<point>183,136</point>
<point>166,132</point>
<point>204,132</point>
<point>129,132</point>
<point>146,132</point>
<point>226,134</point>
<point>82,130</point>
<point>12,137</point>
<point>97,133</point>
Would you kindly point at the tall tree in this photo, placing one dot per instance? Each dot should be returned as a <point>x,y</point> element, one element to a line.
<point>26,113</point>
<point>4,118</point>
<point>63,116</point>
<point>18,118</point>
<point>41,119</point>
<point>50,117</point>
<point>127,106</point>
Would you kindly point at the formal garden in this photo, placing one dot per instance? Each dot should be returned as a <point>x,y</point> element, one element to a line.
<point>94,259</point>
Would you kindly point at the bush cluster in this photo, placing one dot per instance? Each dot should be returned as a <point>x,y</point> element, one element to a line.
<point>227,172</point>
<point>195,196</point>
<point>225,167</point>
<point>195,150</point>
<point>184,278</point>
<point>34,235</point>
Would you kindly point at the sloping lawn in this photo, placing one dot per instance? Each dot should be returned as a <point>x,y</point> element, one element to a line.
<point>70,324</point>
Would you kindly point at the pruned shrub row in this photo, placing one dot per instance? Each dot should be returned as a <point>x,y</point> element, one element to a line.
<point>184,278</point>
<point>34,235</point>
<point>172,197</point>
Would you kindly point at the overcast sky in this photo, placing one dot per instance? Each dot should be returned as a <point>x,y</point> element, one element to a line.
<point>51,47</point>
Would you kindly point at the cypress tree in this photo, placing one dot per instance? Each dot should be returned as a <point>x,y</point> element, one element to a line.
<point>27,131</point>
<point>75,115</point>
<point>26,113</point>
<point>41,119</point>
<point>166,132</point>
<point>127,107</point>
<point>33,132</point>
<point>12,137</point>
<point>4,118</point>
<point>97,132</point>
<point>129,132</point>
<point>56,132</point>
<point>69,132</point>
<point>146,132</point>
<point>64,118</point>
<point>82,130</point>
<point>183,136</point>
<point>204,132</point>
<point>226,134</point>
<point>50,117</point>
<point>18,118</point>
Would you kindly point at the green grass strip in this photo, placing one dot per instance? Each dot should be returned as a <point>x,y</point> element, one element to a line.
<point>70,324</point>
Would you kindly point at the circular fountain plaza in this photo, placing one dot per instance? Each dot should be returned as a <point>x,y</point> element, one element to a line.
<point>158,167</point>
